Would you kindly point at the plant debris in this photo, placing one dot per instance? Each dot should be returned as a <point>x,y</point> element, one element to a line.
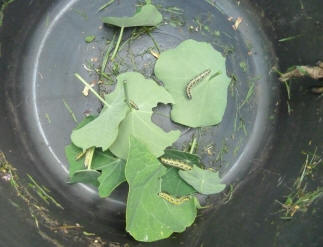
<point>90,38</point>
<point>36,209</point>
<point>300,198</point>
<point>315,72</point>
<point>70,111</point>
<point>4,5</point>
<point>155,54</point>
<point>290,38</point>
<point>237,23</point>
<point>86,89</point>
<point>105,5</point>
<point>317,90</point>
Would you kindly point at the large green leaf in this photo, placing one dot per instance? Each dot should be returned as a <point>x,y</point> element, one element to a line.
<point>148,15</point>
<point>103,130</point>
<point>176,67</point>
<point>148,216</point>
<point>145,93</point>
<point>204,181</point>
<point>112,176</point>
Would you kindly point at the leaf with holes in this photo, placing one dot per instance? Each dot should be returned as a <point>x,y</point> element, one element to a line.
<point>144,94</point>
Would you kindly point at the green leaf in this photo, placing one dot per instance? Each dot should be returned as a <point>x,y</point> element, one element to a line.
<point>148,15</point>
<point>71,152</point>
<point>145,93</point>
<point>90,38</point>
<point>85,121</point>
<point>148,216</point>
<point>173,184</point>
<point>112,176</point>
<point>101,161</point>
<point>86,177</point>
<point>177,67</point>
<point>190,159</point>
<point>204,181</point>
<point>103,130</point>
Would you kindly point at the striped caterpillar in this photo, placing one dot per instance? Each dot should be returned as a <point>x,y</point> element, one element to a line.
<point>176,163</point>
<point>173,200</point>
<point>194,81</point>
<point>133,105</point>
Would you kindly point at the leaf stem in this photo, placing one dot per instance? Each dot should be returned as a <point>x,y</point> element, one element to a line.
<point>91,89</point>
<point>154,41</point>
<point>69,109</point>
<point>105,5</point>
<point>193,146</point>
<point>80,155</point>
<point>125,88</point>
<point>106,57</point>
<point>89,157</point>
<point>118,44</point>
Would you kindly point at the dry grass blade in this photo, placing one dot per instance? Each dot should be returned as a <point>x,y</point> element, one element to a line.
<point>155,54</point>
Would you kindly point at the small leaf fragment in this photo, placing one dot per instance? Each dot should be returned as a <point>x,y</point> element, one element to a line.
<point>90,38</point>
